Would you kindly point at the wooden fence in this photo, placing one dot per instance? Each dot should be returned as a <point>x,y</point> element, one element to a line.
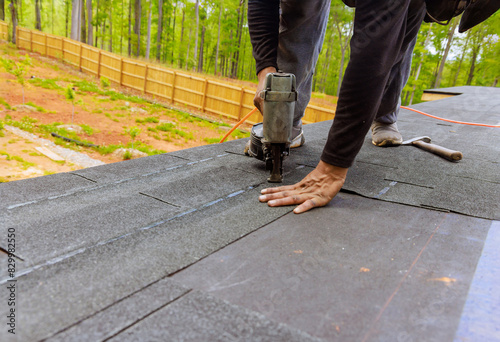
<point>193,91</point>
<point>4,30</point>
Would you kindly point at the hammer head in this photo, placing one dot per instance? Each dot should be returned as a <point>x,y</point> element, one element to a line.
<point>424,139</point>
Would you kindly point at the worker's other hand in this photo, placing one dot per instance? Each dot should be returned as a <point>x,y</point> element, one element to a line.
<point>317,189</point>
<point>257,100</point>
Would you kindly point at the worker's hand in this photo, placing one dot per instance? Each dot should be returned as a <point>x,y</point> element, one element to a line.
<point>317,189</point>
<point>257,100</point>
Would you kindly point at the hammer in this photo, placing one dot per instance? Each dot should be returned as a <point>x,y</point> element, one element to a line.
<point>424,144</point>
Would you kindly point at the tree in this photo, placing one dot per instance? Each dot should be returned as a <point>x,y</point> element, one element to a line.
<point>148,41</point>
<point>160,29</point>
<point>90,28</point>
<point>76,20</point>
<point>218,39</point>
<point>17,69</point>
<point>13,14</point>
<point>450,34</point>
<point>2,9</point>
<point>38,15</point>
<point>137,25</point>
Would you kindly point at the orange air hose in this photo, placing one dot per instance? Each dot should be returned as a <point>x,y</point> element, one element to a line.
<point>238,124</point>
<point>447,120</point>
<point>404,107</point>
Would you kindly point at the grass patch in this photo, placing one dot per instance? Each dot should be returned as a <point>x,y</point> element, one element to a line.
<point>150,119</point>
<point>38,108</point>
<point>23,164</point>
<point>54,128</point>
<point>26,123</point>
<point>5,104</point>
<point>212,140</point>
<point>46,83</point>
<point>2,134</point>
<point>87,129</point>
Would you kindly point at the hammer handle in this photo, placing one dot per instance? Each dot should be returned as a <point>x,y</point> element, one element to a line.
<point>439,150</point>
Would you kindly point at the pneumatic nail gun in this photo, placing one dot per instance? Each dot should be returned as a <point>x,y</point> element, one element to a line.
<point>270,141</point>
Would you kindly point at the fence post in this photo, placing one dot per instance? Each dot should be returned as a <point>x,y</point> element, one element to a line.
<point>204,100</point>
<point>31,40</point>
<point>121,71</point>
<point>242,96</point>
<point>145,78</point>
<point>16,33</point>
<point>46,46</point>
<point>99,65</point>
<point>173,87</point>
<point>62,49</point>
<point>80,61</point>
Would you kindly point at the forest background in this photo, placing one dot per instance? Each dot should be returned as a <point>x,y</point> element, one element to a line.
<point>211,37</point>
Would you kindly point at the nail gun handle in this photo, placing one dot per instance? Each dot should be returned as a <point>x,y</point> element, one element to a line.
<point>439,150</point>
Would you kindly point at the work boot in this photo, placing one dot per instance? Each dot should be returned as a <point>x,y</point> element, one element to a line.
<point>385,134</point>
<point>255,150</point>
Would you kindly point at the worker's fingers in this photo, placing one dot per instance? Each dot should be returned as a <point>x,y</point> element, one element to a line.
<point>307,205</point>
<point>287,199</point>
<point>278,189</point>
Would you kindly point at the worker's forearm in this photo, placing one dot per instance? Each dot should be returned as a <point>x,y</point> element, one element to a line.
<point>263,26</point>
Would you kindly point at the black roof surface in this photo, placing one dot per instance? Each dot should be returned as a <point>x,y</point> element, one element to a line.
<point>177,247</point>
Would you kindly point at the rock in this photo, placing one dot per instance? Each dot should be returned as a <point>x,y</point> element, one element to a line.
<point>133,153</point>
<point>26,108</point>
<point>168,122</point>
<point>138,110</point>
<point>72,128</point>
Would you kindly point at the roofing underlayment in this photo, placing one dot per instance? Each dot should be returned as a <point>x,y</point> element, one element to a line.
<point>177,247</point>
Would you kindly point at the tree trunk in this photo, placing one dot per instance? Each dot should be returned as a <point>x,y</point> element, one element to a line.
<point>234,64</point>
<point>76,18</point>
<point>218,40</point>
<point>137,25</point>
<point>38,15</point>
<point>67,17</point>
<point>103,32</point>
<point>129,28</point>
<point>90,28</point>
<point>344,44</point>
<point>83,36</point>
<point>148,41</point>
<point>13,15</point>
<point>464,49</point>
<point>97,8</point>
<point>451,33</point>
<point>182,36</point>
<point>187,53</point>
<point>160,29</point>
<point>475,52</point>
<point>2,9</point>
<point>420,63</point>
<point>173,36</point>
<point>200,59</point>
<point>111,28</point>
<point>197,11</point>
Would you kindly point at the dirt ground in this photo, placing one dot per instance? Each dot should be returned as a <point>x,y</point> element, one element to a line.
<point>107,115</point>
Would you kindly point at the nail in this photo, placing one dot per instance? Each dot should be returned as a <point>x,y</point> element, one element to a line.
<point>272,202</point>
<point>262,198</point>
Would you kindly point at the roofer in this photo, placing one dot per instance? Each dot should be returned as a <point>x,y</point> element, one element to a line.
<point>288,35</point>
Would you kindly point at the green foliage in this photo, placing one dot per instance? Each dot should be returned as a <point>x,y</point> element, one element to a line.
<point>70,94</point>
<point>105,83</point>
<point>149,119</point>
<point>5,104</point>
<point>26,124</point>
<point>87,129</point>
<point>2,134</point>
<point>38,108</point>
<point>17,69</point>
<point>45,83</point>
